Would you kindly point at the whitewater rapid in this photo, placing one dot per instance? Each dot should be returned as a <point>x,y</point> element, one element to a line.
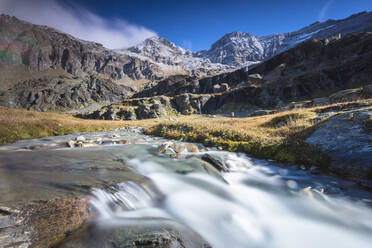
<point>254,205</point>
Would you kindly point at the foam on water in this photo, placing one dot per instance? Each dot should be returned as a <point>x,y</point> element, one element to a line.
<point>255,208</point>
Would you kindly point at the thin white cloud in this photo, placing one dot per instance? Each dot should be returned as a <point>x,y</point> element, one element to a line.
<point>323,12</point>
<point>77,21</point>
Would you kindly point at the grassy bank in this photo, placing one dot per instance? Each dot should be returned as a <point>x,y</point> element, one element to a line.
<point>278,136</point>
<point>17,124</point>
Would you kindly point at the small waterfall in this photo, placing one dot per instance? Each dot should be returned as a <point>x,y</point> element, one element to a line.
<point>199,106</point>
<point>255,208</point>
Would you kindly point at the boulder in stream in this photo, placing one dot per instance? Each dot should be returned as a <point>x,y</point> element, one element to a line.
<point>215,161</point>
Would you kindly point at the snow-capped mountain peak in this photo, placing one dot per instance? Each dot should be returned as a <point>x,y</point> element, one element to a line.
<point>171,57</point>
<point>240,48</point>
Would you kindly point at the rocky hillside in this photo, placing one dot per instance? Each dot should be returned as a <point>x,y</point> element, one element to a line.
<point>38,48</point>
<point>63,93</point>
<point>241,49</point>
<point>312,71</point>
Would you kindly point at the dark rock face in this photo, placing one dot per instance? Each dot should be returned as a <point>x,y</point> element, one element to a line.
<point>40,48</point>
<point>180,84</point>
<point>133,109</point>
<point>62,93</point>
<point>347,140</point>
<point>173,85</point>
<point>144,108</point>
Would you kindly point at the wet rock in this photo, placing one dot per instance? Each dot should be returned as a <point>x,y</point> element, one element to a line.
<point>175,147</point>
<point>80,138</point>
<point>178,147</point>
<point>209,169</point>
<point>85,145</point>
<point>13,233</point>
<point>43,223</point>
<point>192,148</point>
<point>122,142</point>
<point>44,147</point>
<point>163,147</point>
<point>51,221</point>
<point>215,161</point>
<point>159,235</point>
<point>79,144</point>
<point>71,143</point>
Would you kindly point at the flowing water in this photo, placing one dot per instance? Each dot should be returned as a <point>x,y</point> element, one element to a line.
<point>257,203</point>
<point>199,107</point>
<point>255,207</point>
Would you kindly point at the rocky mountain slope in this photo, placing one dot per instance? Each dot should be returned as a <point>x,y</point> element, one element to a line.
<point>63,93</point>
<point>310,71</point>
<point>44,69</point>
<point>37,48</point>
<point>240,49</point>
<point>41,67</point>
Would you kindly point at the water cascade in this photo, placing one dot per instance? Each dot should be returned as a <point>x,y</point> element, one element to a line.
<point>253,206</point>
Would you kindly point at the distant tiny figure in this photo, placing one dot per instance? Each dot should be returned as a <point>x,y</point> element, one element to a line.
<point>232,115</point>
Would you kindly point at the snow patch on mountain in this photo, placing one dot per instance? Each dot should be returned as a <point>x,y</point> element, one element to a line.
<point>170,57</point>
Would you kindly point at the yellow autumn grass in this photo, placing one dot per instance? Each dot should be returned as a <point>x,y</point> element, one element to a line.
<point>16,124</point>
<point>278,136</point>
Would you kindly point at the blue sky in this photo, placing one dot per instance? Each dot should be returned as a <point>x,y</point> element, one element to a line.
<point>194,25</point>
<point>197,24</point>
